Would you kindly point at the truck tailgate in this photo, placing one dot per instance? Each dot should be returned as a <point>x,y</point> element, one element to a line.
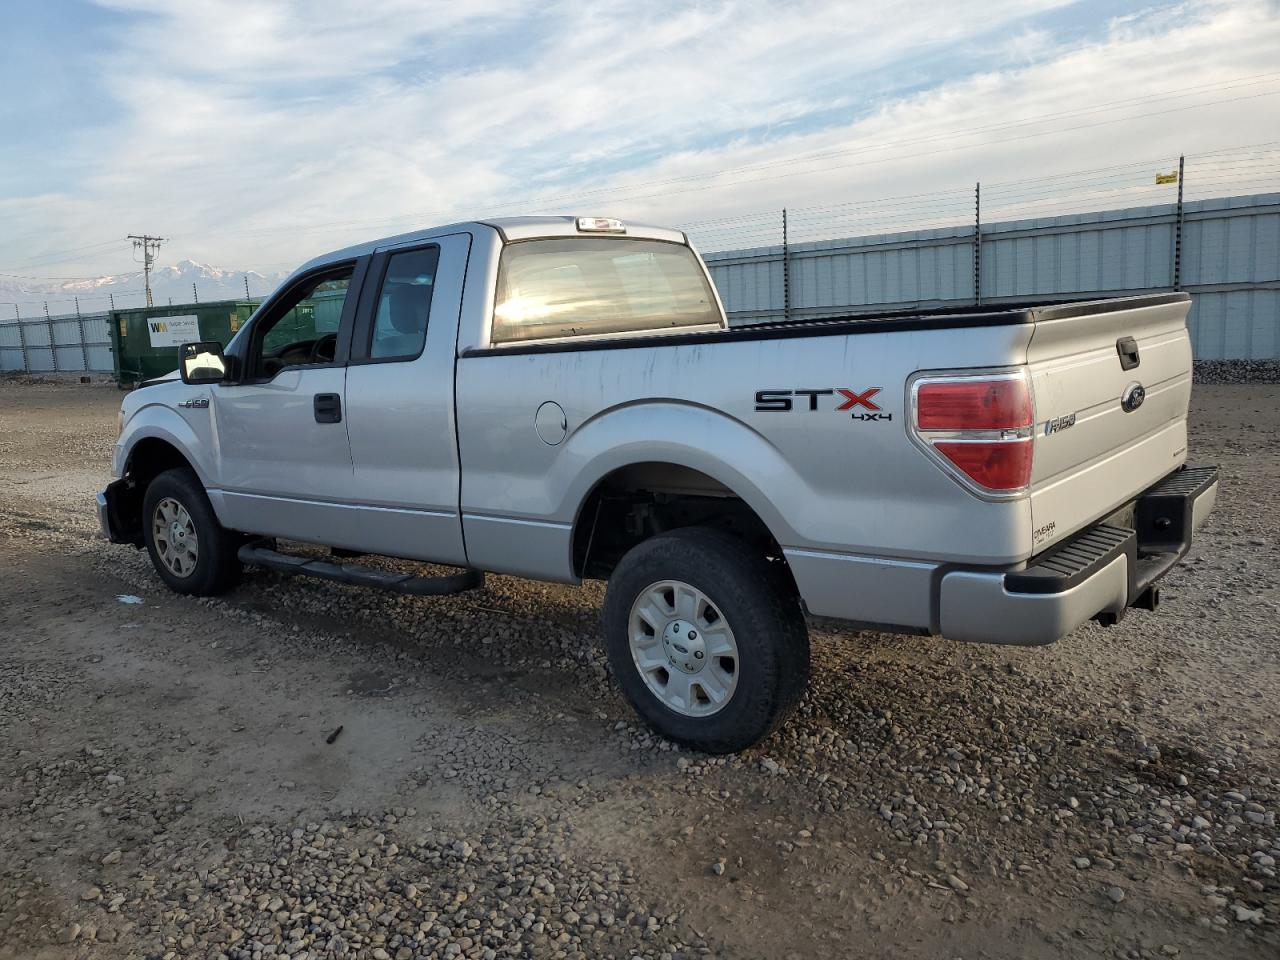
<point>1104,433</point>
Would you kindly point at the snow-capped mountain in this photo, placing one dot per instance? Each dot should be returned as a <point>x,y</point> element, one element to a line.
<point>168,282</point>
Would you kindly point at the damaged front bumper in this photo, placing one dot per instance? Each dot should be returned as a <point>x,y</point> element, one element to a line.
<point>119,516</point>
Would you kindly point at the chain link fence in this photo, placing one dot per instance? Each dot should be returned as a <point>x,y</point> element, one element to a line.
<point>1208,223</point>
<point>1106,232</point>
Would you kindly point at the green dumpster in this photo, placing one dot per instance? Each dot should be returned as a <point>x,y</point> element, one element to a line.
<point>145,340</point>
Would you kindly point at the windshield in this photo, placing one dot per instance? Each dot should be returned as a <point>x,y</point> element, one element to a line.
<point>589,286</point>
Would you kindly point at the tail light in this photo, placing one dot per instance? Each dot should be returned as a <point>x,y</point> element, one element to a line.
<point>978,427</point>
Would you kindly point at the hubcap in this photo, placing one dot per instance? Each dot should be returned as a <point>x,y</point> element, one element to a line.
<point>684,648</point>
<point>177,545</point>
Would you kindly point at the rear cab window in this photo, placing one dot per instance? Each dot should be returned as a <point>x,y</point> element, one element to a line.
<point>551,289</point>
<point>404,305</point>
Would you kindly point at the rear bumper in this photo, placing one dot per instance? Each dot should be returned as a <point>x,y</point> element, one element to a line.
<point>1097,574</point>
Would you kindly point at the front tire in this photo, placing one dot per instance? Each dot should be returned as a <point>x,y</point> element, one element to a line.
<point>191,551</point>
<point>706,639</point>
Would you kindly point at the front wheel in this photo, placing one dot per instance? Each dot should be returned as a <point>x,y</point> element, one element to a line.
<point>191,551</point>
<point>706,639</point>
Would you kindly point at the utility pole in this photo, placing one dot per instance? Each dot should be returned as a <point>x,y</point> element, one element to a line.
<point>246,286</point>
<point>195,297</point>
<point>149,246</point>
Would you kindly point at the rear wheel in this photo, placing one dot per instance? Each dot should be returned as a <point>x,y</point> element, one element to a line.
<point>190,550</point>
<point>706,639</point>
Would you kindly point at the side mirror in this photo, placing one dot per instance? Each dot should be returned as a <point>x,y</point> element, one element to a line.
<point>202,362</point>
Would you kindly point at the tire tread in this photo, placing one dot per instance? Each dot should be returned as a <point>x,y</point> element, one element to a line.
<point>218,569</point>
<point>758,592</point>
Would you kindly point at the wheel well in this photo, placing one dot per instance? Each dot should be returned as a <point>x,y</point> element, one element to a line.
<point>642,500</point>
<point>149,458</point>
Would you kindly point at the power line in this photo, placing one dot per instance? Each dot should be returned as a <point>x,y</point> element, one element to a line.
<point>792,161</point>
<point>812,157</point>
<point>43,259</point>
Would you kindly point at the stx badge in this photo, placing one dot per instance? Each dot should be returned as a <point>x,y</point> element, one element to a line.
<point>856,401</point>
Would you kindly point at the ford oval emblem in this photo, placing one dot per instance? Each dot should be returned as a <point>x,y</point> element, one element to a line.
<point>1132,397</point>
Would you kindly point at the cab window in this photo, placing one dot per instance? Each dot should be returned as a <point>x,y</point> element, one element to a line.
<point>598,286</point>
<point>303,328</point>
<point>404,305</point>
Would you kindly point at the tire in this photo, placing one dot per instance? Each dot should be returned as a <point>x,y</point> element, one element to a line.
<point>175,502</point>
<point>756,612</point>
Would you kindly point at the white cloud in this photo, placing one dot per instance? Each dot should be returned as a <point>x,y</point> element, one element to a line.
<point>258,135</point>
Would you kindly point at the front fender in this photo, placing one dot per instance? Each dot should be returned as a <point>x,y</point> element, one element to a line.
<point>156,421</point>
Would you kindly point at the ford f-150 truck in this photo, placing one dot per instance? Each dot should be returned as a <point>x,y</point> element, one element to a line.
<point>561,398</point>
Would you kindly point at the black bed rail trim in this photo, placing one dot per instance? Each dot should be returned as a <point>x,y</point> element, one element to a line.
<point>882,321</point>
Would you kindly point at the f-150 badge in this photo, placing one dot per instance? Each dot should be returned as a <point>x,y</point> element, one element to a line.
<point>1058,424</point>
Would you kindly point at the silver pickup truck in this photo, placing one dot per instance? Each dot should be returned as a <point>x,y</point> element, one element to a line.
<point>561,398</point>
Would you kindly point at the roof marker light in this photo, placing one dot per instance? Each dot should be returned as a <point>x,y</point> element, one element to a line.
<point>600,225</point>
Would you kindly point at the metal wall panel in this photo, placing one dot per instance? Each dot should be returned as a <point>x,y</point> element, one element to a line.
<point>752,281</point>
<point>95,328</point>
<point>39,360</point>
<point>71,358</point>
<point>1236,325</point>
<point>81,343</point>
<point>831,277</point>
<point>36,333</point>
<point>1118,251</point>
<point>1230,265</point>
<point>100,359</point>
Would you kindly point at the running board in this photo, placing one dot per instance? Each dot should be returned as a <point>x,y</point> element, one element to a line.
<point>393,581</point>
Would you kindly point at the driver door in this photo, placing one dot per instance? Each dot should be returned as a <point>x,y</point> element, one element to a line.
<point>283,456</point>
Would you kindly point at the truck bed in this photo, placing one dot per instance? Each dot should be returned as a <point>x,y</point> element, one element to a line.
<point>851,493</point>
<point>872,321</point>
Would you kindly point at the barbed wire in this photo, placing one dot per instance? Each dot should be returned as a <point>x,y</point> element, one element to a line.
<point>1238,170</point>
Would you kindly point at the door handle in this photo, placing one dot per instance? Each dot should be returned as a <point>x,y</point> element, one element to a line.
<point>328,408</point>
<point>1127,347</point>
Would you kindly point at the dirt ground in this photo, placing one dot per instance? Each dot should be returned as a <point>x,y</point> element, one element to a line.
<point>171,786</point>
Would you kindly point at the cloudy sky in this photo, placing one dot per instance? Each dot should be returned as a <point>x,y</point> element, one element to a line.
<point>257,134</point>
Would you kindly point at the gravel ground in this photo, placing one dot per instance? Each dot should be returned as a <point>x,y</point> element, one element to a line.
<point>1237,371</point>
<point>171,784</point>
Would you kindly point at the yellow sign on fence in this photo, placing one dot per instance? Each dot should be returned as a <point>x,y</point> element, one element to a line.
<point>1167,177</point>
